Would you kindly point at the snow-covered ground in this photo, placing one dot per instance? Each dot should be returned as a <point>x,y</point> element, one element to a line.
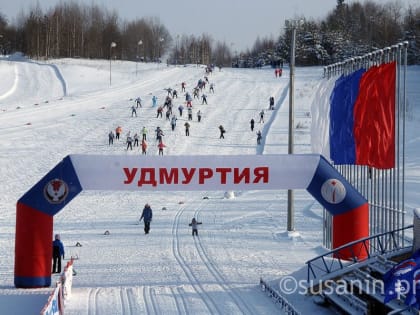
<point>51,109</point>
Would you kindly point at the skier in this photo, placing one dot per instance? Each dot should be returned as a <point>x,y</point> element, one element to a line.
<point>180,109</point>
<point>159,134</point>
<point>259,136</point>
<point>138,102</point>
<point>252,122</point>
<point>190,113</point>
<point>194,224</point>
<point>261,116</point>
<point>222,132</point>
<point>212,87</point>
<point>187,128</point>
<point>154,101</point>
<point>143,147</point>
<point>136,140</point>
<point>118,131</point>
<point>199,115</point>
<point>161,146</point>
<point>196,92</point>
<point>159,112</point>
<point>183,84</point>
<point>129,142</point>
<point>173,122</point>
<point>133,111</point>
<point>111,137</point>
<point>174,94</point>
<point>144,133</point>
<point>146,215</point>
<point>169,90</point>
<point>188,99</point>
<point>204,99</point>
<point>57,253</point>
<point>271,106</point>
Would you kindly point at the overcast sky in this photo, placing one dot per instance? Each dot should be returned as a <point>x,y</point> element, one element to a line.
<point>236,22</point>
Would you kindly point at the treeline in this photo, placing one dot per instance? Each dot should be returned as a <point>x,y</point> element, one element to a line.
<point>74,30</point>
<point>348,30</point>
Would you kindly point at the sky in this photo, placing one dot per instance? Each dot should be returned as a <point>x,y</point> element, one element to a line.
<point>51,109</point>
<point>235,22</point>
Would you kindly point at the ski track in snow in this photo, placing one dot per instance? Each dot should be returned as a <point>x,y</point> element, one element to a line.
<point>241,304</point>
<point>181,306</point>
<point>189,273</point>
<point>93,301</point>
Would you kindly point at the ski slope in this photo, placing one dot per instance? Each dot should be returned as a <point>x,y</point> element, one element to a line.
<point>60,107</point>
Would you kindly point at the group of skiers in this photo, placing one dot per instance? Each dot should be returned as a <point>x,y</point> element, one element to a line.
<point>130,140</point>
<point>134,140</point>
<point>261,120</point>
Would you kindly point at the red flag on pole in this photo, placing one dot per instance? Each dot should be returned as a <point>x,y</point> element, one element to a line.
<point>374,117</point>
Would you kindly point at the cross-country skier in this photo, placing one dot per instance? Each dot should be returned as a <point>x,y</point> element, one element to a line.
<point>146,215</point>
<point>194,224</point>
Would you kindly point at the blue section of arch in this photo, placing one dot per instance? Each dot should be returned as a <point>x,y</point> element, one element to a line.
<point>324,172</point>
<point>35,196</point>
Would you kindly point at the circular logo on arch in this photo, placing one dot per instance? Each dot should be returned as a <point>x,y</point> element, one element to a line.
<point>333,191</point>
<point>55,191</point>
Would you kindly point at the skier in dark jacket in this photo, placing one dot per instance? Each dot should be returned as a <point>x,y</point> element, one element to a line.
<point>259,137</point>
<point>111,137</point>
<point>222,132</point>
<point>180,109</point>
<point>271,106</point>
<point>252,122</point>
<point>194,224</point>
<point>57,253</point>
<point>146,215</point>
<point>187,128</point>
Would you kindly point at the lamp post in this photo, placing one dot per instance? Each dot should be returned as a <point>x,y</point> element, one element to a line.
<point>161,39</point>
<point>160,47</point>
<point>139,43</point>
<point>112,45</point>
<point>290,206</point>
<point>176,50</point>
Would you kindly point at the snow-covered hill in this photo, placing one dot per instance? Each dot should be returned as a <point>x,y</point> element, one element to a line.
<point>60,107</point>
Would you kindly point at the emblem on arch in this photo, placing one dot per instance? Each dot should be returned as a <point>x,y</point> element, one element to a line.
<point>56,191</point>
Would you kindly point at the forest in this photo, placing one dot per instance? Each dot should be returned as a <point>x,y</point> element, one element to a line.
<point>74,30</point>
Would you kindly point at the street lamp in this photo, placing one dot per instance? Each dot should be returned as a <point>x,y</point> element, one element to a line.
<point>176,50</point>
<point>110,53</point>
<point>290,209</point>
<point>160,49</point>
<point>139,43</point>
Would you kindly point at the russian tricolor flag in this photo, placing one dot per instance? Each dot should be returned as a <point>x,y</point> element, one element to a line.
<point>361,118</point>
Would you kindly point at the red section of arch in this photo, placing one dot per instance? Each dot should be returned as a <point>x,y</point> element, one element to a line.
<point>34,229</point>
<point>348,227</point>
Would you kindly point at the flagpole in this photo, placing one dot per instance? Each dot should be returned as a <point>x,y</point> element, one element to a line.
<point>290,205</point>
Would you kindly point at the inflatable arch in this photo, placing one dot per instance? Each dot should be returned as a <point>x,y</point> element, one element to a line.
<point>36,208</point>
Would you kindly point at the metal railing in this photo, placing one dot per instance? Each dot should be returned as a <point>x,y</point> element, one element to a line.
<point>330,262</point>
<point>285,306</point>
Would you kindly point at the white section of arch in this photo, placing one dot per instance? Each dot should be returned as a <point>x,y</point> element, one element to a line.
<point>111,172</point>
